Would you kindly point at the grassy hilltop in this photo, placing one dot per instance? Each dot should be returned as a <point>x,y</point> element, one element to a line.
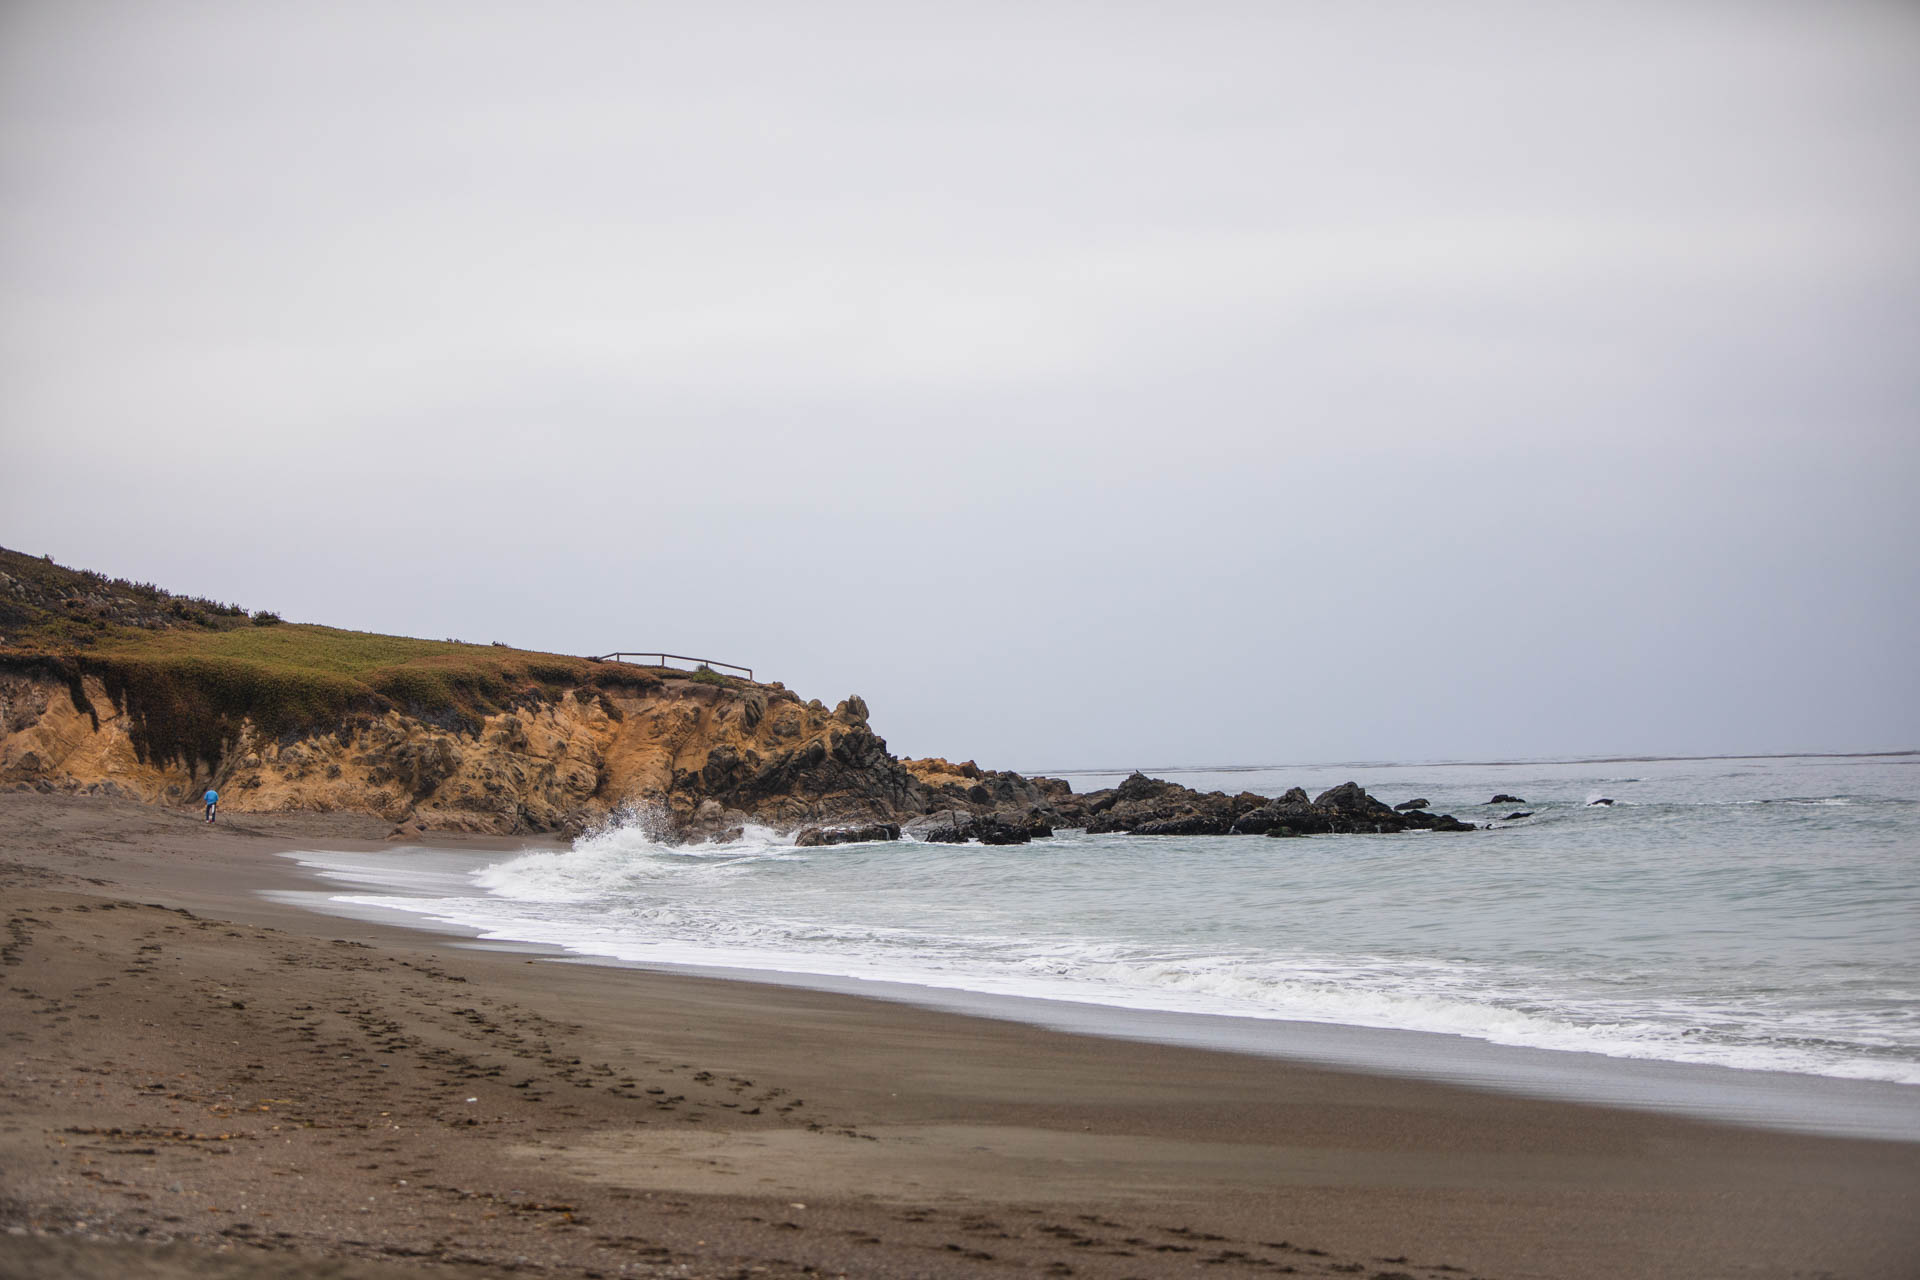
<point>190,670</point>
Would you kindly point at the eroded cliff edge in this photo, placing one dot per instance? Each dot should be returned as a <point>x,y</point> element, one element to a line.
<point>121,688</point>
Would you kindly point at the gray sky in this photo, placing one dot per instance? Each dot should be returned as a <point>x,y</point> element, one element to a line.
<point>1082,384</point>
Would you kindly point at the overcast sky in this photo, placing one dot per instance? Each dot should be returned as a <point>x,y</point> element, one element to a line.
<point>1083,384</point>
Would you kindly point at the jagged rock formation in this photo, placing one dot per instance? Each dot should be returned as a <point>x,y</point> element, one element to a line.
<point>1150,806</point>
<point>1153,807</point>
<point>966,786</point>
<point>1345,809</point>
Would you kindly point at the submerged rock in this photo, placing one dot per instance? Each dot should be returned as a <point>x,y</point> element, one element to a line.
<point>813,837</point>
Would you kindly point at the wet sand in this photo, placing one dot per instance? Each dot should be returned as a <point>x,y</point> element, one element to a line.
<point>199,1080</point>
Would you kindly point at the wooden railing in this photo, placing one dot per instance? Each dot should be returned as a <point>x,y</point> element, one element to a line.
<point>677,657</point>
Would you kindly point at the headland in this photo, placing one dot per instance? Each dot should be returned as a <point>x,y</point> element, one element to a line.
<point>115,688</point>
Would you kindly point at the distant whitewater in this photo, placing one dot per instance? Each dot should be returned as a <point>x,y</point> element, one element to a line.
<point>1757,913</point>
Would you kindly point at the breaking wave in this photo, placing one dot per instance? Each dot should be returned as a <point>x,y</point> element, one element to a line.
<point>1554,943</point>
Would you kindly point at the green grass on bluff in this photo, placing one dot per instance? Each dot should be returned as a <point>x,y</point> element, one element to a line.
<point>189,671</point>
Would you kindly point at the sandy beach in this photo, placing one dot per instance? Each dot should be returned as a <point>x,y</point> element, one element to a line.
<point>199,1080</point>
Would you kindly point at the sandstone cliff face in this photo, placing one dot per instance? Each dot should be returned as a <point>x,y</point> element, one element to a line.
<point>51,740</point>
<point>707,757</point>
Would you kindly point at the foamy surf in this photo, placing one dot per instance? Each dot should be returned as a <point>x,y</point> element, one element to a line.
<point>1657,932</point>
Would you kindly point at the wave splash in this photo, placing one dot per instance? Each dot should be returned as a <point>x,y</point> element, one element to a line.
<point>620,856</point>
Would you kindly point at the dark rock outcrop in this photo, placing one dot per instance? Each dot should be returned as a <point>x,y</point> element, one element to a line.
<point>966,788</point>
<point>1350,801</point>
<point>1282,817</point>
<point>813,837</point>
<point>985,828</point>
<point>1345,809</point>
<point>1405,805</point>
<point>1153,806</point>
<point>841,776</point>
<point>1504,798</point>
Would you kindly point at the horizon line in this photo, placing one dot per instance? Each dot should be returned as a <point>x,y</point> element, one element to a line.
<point>1465,764</point>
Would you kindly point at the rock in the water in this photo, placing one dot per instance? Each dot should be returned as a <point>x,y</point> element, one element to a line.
<point>1518,813</point>
<point>1405,805</point>
<point>995,831</point>
<point>1150,806</point>
<point>1602,801</point>
<point>1284,818</point>
<point>1034,823</point>
<point>1504,798</point>
<point>1256,822</point>
<point>987,829</point>
<point>813,837</point>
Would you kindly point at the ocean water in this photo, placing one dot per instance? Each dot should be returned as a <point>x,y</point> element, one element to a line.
<point>1741,913</point>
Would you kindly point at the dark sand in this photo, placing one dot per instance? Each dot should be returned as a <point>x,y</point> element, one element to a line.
<point>200,1082</point>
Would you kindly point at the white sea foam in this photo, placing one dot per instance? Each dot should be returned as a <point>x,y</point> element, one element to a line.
<point>1338,992</point>
<point>1655,933</point>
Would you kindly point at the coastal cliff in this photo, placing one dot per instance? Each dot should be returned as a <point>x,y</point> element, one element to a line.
<point>112,687</point>
<point>703,758</point>
<point>120,688</point>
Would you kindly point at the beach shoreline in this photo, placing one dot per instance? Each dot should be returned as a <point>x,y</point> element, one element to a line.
<point>369,886</point>
<point>920,1141</point>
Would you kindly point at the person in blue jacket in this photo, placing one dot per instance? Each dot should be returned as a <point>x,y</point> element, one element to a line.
<point>213,798</point>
